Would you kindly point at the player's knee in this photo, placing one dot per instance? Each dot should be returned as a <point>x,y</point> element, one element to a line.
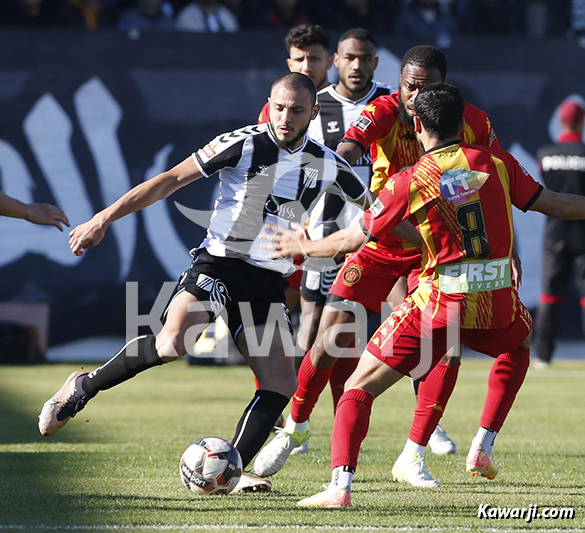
<point>527,340</point>
<point>170,346</point>
<point>285,384</point>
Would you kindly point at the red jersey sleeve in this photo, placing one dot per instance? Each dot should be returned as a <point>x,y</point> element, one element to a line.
<point>524,189</point>
<point>264,115</point>
<point>390,208</point>
<point>374,122</point>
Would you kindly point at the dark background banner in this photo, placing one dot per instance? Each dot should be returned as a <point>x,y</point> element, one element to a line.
<point>85,117</point>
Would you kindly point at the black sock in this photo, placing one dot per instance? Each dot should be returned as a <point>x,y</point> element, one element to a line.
<point>415,384</point>
<point>138,355</point>
<point>256,422</point>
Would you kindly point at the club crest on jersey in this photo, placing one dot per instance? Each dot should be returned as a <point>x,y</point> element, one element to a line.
<point>310,178</point>
<point>361,123</point>
<point>459,185</point>
<point>352,275</point>
<point>333,126</point>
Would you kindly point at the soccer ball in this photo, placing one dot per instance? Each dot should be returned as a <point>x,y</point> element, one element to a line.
<point>210,466</point>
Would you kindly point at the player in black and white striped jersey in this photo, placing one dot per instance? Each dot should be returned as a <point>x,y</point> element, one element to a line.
<point>270,173</point>
<point>341,104</point>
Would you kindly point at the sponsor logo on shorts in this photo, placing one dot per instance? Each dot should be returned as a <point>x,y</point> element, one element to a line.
<point>361,123</point>
<point>352,274</point>
<point>475,276</point>
<point>218,293</point>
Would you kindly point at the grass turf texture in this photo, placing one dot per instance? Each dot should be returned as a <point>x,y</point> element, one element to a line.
<point>116,463</point>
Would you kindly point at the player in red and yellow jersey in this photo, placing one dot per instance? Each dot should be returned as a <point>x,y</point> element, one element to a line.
<point>367,277</point>
<point>459,197</point>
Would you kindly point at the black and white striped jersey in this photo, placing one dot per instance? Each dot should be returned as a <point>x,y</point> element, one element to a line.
<point>328,128</point>
<point>261,182</point>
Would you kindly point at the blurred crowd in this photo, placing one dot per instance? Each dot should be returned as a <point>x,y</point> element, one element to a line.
<point>418,18</point>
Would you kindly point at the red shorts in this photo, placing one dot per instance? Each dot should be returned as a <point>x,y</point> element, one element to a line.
<point>411,348</point>
<point>367,276</point>
<point>294,280</point>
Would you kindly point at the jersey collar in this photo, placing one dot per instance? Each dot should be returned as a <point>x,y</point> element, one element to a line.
<point>444,145</point>
<point>274,139</point>
<point>331,90</point>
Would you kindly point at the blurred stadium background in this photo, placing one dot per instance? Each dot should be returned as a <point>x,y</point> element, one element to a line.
<point>94,99</point>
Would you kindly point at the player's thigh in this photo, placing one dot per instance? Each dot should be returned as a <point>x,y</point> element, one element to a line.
<point>185,319</point>
<point>272,365</point>
<point>372,376</point>
<point>337,330</point>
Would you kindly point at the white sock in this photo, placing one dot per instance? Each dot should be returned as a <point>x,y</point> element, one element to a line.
<point>291,426</point>
<point>486,438</point>
<point>341,476</point>
<point>412,447</point>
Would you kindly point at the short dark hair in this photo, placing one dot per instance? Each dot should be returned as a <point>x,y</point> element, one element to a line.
<point>425,56</point>
<point>295,81</point>
<point>359,34</point>
<point>440,109</point>
<point>307,35</point>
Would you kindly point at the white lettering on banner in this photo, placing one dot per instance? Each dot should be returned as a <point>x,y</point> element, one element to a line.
<point>48,130</point>
<point>99,117</point>
<point>563,162</point>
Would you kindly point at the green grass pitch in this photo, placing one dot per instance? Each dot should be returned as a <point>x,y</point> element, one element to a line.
<point>115,466</point>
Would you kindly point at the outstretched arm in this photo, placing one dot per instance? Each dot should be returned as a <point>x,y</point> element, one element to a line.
<point>91,233</point>
<point>350,151</point>
<point>558,205</point>
<point>44,214</point>
<point>297,243</point>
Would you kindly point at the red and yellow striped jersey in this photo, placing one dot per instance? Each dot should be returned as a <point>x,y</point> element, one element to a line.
<point>460,199</point>
<point>393,144</point>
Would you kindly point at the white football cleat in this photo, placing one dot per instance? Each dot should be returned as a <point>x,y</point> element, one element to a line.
<point>303,448</point>
<point>481,463</point>
<point>250,483</point>
<point>410,468</point>
<point>440,443</point>
<point>274,455</point>
<point>330,498</point>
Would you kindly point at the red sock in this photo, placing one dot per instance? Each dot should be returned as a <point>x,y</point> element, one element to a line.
<point>506,378</point>
<point>256,382</point>
<point>433,395</point>
<point>350,428</point>
<point>341,371</point>
<point>312,381</point>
